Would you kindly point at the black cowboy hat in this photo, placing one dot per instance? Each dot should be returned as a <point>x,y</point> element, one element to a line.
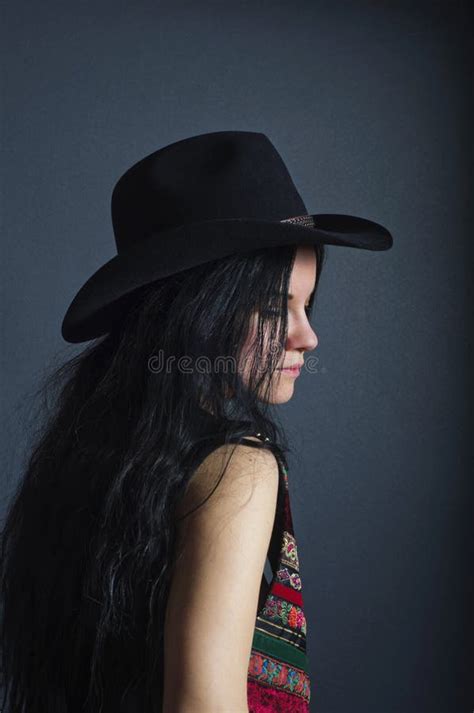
<point>196,200</point>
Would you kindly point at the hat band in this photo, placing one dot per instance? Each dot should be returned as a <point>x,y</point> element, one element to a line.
<point>306,220</point>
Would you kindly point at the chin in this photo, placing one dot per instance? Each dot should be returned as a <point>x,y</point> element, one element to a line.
<point>283,395</point>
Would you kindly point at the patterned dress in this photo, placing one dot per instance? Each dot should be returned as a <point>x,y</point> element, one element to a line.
<point>278,673</point>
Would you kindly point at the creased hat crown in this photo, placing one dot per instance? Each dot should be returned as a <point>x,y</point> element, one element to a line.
<point>222,175</point>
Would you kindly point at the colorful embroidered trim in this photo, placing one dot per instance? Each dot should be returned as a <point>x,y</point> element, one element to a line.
<point>272,672</point>
<point>290,551</point>
<point>278,665</point>
<point>284,612</point>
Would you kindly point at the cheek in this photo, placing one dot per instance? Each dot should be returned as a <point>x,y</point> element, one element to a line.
<point>270,348</point>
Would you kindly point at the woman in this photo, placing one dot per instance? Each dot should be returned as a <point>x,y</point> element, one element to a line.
<point>133,551</point>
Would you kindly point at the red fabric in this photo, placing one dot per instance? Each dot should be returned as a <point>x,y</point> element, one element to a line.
<point>290,595</point>
<point>261,699</point>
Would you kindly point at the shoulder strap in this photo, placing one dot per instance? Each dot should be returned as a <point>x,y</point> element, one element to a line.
<point>249,442</point>
<point>214,441</point>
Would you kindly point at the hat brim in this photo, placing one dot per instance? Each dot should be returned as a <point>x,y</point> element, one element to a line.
<point>106,294</point>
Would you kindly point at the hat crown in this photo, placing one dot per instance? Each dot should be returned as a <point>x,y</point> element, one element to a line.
<point>213,176</point>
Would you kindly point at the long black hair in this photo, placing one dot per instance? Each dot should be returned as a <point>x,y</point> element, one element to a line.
<point>88,540</point>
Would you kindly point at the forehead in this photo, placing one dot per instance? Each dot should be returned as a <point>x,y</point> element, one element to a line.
<point>303,275</point>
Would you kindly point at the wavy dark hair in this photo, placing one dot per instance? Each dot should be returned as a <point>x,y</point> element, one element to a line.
<point>88,540</point>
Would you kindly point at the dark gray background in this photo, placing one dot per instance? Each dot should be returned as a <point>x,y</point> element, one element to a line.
<point>368,105</point>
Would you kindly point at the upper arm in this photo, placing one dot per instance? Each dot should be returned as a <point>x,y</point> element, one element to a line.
<point>213,596</point>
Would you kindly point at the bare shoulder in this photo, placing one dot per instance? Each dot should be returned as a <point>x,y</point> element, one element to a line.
<point>233,471</point>
<point>213,597</point>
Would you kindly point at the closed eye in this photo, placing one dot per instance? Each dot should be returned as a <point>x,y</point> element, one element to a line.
<point>275,312</point>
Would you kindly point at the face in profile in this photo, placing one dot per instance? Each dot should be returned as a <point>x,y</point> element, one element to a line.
<point>301,337</point>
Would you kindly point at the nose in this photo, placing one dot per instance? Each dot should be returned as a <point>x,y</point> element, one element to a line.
<point>302,337</point>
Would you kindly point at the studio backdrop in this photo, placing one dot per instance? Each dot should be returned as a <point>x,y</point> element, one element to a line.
<point>369,104</point>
